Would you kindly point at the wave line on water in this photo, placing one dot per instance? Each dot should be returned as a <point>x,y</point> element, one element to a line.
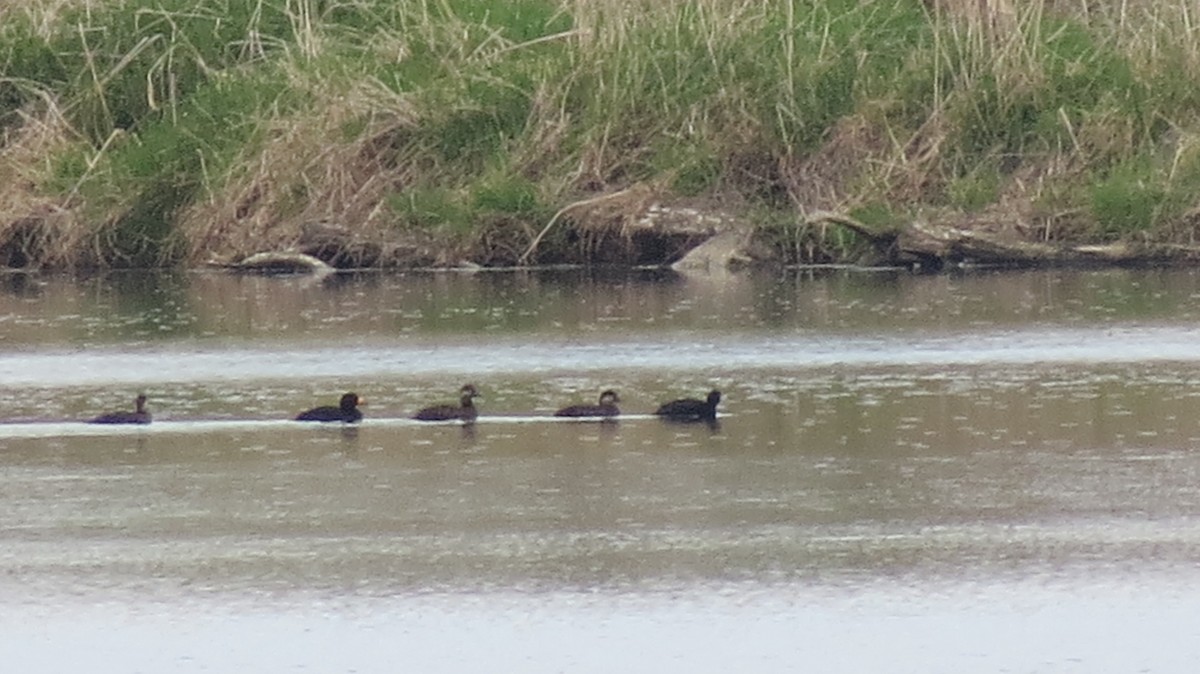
<point>39,429</point>
<point>673,352</point>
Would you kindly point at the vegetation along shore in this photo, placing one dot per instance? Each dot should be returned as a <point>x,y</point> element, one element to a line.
<point>440,132</point>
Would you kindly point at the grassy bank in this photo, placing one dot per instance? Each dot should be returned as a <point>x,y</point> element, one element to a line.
<point>155,132</point>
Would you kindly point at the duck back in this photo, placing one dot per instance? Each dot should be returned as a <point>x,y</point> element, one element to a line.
<point>607,407</point>
<point>122,418</point>
<point>691,409</point>
<point>345,411</point>
<point>330,413</point>
<point>446,413</point>
<point>138,416</point>
<point>588,411</point>
<point>464,411</point>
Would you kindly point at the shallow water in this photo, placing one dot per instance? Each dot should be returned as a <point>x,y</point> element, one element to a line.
<point>992,472</point>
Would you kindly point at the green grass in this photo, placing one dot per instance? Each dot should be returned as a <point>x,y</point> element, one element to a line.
<point>434,209</point>
<point>974,191</point>
<point>118,64</point>
<point>478,120</point>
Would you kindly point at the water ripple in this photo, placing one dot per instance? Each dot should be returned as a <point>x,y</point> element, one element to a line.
<point>726,352</point>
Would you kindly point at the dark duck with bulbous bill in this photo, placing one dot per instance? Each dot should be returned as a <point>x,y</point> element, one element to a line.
<point>690,409</point>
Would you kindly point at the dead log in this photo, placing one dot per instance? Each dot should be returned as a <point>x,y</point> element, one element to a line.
<point>955,245</point>
<point>934,246</point>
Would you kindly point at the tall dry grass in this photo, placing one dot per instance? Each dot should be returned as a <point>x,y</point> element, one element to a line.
<point>144,132</point>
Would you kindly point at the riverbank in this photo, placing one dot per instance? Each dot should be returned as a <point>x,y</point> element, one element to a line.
<point>175,132</point>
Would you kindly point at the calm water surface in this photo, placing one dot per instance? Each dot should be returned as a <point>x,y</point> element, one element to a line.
<point>990,472</point>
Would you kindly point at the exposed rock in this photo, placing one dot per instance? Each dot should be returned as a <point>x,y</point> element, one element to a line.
<point>725,250</point>
<point>282,262</point>
<point>631,226</point>
<point>689,237</point>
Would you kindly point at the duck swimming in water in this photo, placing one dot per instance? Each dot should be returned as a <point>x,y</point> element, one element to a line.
<point>465,410</point>
<point>607,407</point>
<point>346,411</point>
<point>138,416</point>
<point>690,409</point>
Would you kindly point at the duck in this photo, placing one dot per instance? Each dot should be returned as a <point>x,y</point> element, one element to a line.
<point>465,410</point>
<point>346,411</point>
<point>606,408</point>
<point>138,416</point>
<point>690,409</point>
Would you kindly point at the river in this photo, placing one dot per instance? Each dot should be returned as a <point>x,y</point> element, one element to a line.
<point>973,472</point>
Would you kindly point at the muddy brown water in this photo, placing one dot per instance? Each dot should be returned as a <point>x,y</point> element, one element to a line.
<point>985,472</point>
